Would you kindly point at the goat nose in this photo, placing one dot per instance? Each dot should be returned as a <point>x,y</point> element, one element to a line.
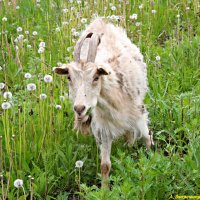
<point>79,109</point>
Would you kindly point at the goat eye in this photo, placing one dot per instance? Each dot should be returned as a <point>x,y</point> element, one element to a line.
<point>96,79</point>
<point>69,79</point>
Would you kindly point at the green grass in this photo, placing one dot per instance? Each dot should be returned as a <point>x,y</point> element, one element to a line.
<point>38,140</point>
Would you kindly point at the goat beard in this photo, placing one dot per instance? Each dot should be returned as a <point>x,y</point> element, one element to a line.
<point>83,126</point>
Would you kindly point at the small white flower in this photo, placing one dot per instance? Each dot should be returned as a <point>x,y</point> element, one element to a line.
<point>76,34</point>
<point>18,183</point>
<point>2,85</point>
<point>7,95</point>
<point>20,37</point>
<point>48,78</point>
<point>177,16</point>
<point>79,163</point>
<point>26,32</point>
<point>41,50</point>
<point>113,8</point>
<point>141,6</point>
<point>29,46</point>
<point>78,2</point>
<point>37,1</point>
<point>153,11</point>
<point>19,29</point>
<point>83,20</point>
<point>17,7</point>
<point>72,8</point>
<point>16,48</point>
<point>31,87</point>
<point>187,8</point>
<point>16,40</point>
<point>65,10</point>
<point>57,29</point>
<point>27,75</point>
<point>42,44</point>
<point>43,96</point>
<point>73,30</point>
<point>4,19</point>
<point>71,1</point>
<point>62,98</point>
<point>5,105</point>
<point>35,33</point>
<point>158,58</point>
<point>68,49</point>
<point>133,16</point>
<point>58,107</point>
<point>25,40</point>
<point>138,23</point>
<point>1,68</point>
<point>65,23</point>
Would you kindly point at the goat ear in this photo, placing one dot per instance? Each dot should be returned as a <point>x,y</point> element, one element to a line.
<point>102,71</point>
<point>64,70</point>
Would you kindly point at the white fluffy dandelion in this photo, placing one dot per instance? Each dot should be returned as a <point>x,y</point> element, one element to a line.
<point>31,87</point>
<point>48,78</point>
<point>79,164</point>
<point>57,29</point>
<point>18,183</point>
<point>138,23</point>
<point>4,19</point>
<point>17,7</point>
<point>35,33</point>
<point>27,32</point>
<point>27,75</point>
<point>43,96</point>
<point>133,16</point>
<point>29,46</point>
<point>5,105</point>
<point>7,95</point>
<point>83,20</point>
<point>65,10</point>
<point>140,6</point>
<point>2,85</point>
<point>58,107</point>
<point>62,98</point>
<point>113,8</point>
<point>41,50</point>
<point>19,29</point>
<point>42,44</point>
<point>158,58</point>
<point>153,11</point>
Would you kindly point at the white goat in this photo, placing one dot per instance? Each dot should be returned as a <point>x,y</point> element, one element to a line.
<point>107,88</point>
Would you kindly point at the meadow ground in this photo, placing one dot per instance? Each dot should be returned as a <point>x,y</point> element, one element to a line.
<point>37,142</point>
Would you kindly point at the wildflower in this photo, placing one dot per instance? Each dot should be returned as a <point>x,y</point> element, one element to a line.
<point>133,16</point>
<point>72,8</point>
<point>113,8</point>
<point>16,40</point>
<point>17,7</point>
<point>68,49</point>
<point>177,16</point>
<point>19,29</point>
<point>31,87</point>
<point>27,75</point>
<point>65,10</point>
<point>41,50</point>
<point>2,85</point>
<point>42,44</point>
<point>35,33</point>
<point>58,107</point>
<point>57,29</point>
<point>48,78</point>
<point>79,163</point>
<point>187,8</point>
<point>4,19</point>
<point>76,34</point>
<point>20,37</point>
<point>78,2</point>
<point>16,48</point>
<point>18,183</point>
<point>83,20</point>
<point>26,32</point>
<point>62,98</point>
<point>158,58</point>
<point>138,23</point>
<point>140,6</point>
<point>65,23</point>
<point>29,46</point>
<point>5,105</point>
<point>43,96</point>
<point>153,11</point>
<point>7,95</point>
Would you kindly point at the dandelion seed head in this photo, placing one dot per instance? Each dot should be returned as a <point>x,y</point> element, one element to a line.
<point>43,96</point>
<point>62,98</point>
<point>18,183</point>
<point>19,29</point>
<point>41,50</point>
<point>27,75</point>
<point>4,19</point>
<point>17,7</point>
<point>31,87</point>
<point>7,95</point>
<point>20,37</point>
<point>153,11</point>
<point>48,78</point>
<point>58,107</point>
<point>65,10</point>
<point>26,32</point>
<point>35,33</point>
<point>83,20</point>
<point>140,6</point>
<point>5,105</point>
<point>79,164</point>
<point>138,24</point>
<point>29,46</point>
<point>113,8</point>
<point>78,2</point>
<point>133,16</point>
<point>57,29</point>
<point>2,85</point>
<point>158,58</point>
<point>42,44</point>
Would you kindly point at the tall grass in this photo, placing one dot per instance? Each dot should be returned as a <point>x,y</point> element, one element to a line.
<point>37,140</point>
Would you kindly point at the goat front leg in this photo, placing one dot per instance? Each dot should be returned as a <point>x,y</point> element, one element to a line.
<point>105,148</point>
